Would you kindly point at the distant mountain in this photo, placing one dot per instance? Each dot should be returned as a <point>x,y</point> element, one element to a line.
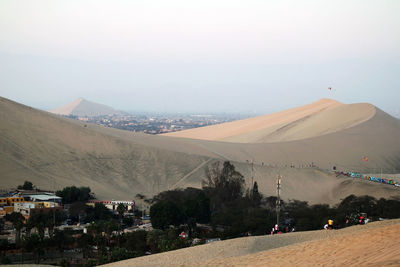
<point>83,107</point>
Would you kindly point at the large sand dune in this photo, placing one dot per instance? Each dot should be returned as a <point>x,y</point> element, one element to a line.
<point>53,151</point>
<point>319,118</point>
<point>374,244</point>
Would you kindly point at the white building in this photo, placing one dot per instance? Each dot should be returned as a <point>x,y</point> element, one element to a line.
<point>113,204</point>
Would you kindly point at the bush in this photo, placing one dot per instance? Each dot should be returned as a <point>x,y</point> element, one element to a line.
<point>165,213</point>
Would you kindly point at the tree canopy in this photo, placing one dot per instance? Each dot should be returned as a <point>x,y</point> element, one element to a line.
<point>72,194</point>
<point>26,186</point>
<point>223,184</point>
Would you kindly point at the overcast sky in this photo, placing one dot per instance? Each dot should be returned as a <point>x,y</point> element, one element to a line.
<point>200,56</point>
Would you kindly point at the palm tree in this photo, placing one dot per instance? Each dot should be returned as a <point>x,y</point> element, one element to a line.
<point>18,222</point>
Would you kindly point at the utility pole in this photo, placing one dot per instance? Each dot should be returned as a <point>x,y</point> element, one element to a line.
<point>54,204</point>
<point>278,200</point>
<point>252,177</point>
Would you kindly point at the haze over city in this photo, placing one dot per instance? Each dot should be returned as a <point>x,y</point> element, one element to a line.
<point>208,56</point>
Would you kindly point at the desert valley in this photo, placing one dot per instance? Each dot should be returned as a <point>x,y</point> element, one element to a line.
<point>311,147</point>
<point>302,144</point>
<point>199,133</point>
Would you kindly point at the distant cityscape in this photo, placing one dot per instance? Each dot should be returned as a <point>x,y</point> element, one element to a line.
<point>158,123</point>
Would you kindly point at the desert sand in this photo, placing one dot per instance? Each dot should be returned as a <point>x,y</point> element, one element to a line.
<point>319,118</point>
<point>54,152</point>
<point>374,244</point>
<point>82,107</point>
<point>68,108</point>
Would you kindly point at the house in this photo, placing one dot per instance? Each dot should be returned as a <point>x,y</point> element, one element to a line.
<point>113,204</point>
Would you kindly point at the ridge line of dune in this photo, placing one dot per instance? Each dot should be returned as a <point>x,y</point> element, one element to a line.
<point>68,108</point>
<point>229,129</point>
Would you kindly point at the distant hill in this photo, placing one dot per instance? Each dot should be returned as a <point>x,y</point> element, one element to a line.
<point>82,107</point>
<point>53,151</point>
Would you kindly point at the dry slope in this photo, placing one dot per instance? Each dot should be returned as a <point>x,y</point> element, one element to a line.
<point>374,244</point>
<point>322,117</point>
<point>54,151</point>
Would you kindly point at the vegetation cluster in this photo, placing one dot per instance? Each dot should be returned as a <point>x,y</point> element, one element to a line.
<point>223,208</point>
<point>233,211</point>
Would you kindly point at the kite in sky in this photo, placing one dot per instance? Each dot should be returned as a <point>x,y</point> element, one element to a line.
<point>365,159</point>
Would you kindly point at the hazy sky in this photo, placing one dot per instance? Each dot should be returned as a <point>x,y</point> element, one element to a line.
<point>200,56</point>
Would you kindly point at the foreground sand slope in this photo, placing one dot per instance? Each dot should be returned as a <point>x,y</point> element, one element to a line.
<point>375,247</point>
<point>375,244</point>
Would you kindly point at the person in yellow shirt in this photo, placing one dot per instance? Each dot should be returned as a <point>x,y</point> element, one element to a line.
<point>330,224</point>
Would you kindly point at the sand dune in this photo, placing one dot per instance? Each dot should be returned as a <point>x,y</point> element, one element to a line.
<point>82,107</point>
<point>374,244</point>
<point>319,118</point>
<point>68,108</point>
<point>55,152</point>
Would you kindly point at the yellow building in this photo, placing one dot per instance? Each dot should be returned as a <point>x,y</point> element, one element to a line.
<point>12,200</point>
<point>3,201</point>
<point>46,204</point>
<point>6,210</point>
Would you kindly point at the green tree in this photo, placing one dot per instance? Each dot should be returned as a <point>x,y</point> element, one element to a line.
<point>193,202</point>
<point>18,222</point>
<point>84,242</point>
<point>197,206</point>
<point>154,239</point>
<point>352,206</point>
<point>223,184</point>
<point>39,221</point>
<point>54,218</point>
<point>256,197</point>
<point>389,209</point>
<point>121,209</point>
<point>26,186</point>
<point>3,246</point>
<point>1,225</point>
<point>136,242</point>
<point>165,213</point>
<point>119,254</point>
<point>72,194</point>
<point>76,210</point>
<point>98,212</point>
<point>62,240</point>
<point>34,244</point>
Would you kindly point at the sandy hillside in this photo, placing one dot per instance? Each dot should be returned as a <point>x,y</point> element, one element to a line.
<point>322,117</point>
<point>230,130</point>
<point>50,150</point>
<point>374,244</point>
